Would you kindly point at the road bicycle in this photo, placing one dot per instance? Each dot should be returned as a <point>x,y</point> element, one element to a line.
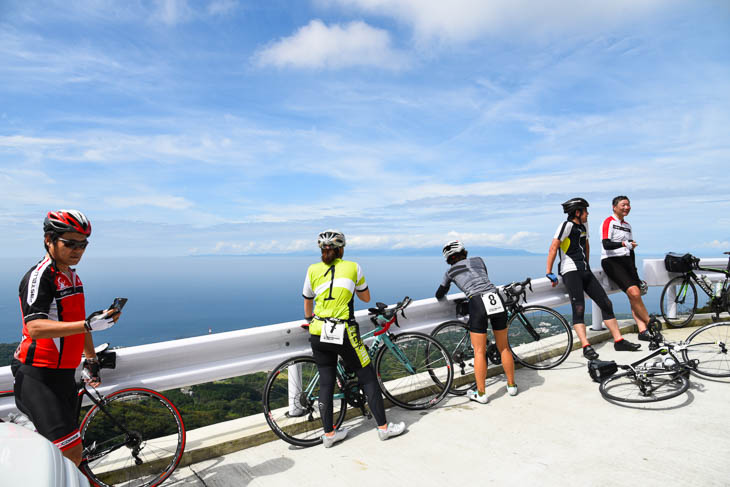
<point>664,373</point>
<point>133,437</point>
<point>678,301</point>
<point>539,337</point>
<point>414,372</point>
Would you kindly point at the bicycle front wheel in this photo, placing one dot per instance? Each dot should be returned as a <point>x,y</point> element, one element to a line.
<point>291,402</point>
<point>454,336</point>
<point>134,437</point>
<point>708,345</point>
<point>416,373</point>
<point>539,337</point>
<point>644,386</point>
<point>678,301</point>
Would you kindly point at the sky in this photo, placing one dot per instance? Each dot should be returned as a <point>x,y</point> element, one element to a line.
<point>246,127</point>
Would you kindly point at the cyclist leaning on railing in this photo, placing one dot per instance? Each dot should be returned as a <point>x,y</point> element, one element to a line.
<point>571,241</point>
<point>329,292</point>
<point>55,333</point>
<point>618,260</point>
<point>485,304</point>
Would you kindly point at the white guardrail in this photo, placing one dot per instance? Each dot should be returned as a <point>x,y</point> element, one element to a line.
<point>190,361</point>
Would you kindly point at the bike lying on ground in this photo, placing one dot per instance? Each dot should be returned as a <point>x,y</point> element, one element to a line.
<point>414,372</point>
<point>133,437</point>
<point>678,301</point>
<point>663,374</point>
<point>539,337</point>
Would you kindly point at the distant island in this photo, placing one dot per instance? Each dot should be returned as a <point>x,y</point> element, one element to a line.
<point>404,252</point>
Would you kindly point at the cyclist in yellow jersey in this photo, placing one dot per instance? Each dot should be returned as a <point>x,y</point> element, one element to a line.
<point>329,293</point>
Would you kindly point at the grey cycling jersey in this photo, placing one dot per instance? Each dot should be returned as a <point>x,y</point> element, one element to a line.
<point>469,275</point>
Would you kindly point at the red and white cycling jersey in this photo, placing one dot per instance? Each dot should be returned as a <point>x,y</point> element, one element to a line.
<point>46,293</point>
<point>616,230</point>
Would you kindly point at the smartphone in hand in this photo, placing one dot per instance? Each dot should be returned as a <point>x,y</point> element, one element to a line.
<point>118,304</point>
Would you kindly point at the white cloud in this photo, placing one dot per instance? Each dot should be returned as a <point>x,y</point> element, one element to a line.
<point>222,7</point>
<point>464,20</point>
<point>320,46</point>
<point>261,247</point>
<point>158,200</point>
<point>172,12</point>
<point>717,244</point>
<point>22,141</point>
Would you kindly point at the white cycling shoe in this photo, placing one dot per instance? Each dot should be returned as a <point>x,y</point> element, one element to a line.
<point>339,435</point>
<point>473,395</point>
<point>393,429</point>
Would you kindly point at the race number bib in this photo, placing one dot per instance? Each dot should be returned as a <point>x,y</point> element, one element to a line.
<point>333,332</point>
<point>492,303</point>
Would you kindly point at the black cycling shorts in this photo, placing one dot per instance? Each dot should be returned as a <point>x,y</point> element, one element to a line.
<point>622,271</point>
<point>578,282</point>
<point>49,398</point>
<point>478,316</point>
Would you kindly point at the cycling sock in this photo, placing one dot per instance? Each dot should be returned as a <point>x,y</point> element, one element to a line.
<point>616,341</point>
<point>584,346</point>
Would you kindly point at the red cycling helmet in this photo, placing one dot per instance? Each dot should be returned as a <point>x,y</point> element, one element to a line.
<point>63,221</point>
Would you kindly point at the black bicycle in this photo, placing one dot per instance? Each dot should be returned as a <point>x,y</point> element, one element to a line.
<point>539,337</point>
<point>664,373</point>
<point>414,372</point>
<point>133,437</point>
<point>678,301</point>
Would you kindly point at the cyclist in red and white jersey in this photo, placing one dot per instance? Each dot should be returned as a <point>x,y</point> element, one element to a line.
<point>56,332</point>
<point>618,260</point>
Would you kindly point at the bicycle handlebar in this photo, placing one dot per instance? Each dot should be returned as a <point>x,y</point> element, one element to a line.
<point>391,315</point>
<point>518,289</point>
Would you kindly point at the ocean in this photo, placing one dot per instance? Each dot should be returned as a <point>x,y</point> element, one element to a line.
<point>180,297</point>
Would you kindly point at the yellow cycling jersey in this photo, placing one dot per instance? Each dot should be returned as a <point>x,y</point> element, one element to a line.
<point>333,289</point>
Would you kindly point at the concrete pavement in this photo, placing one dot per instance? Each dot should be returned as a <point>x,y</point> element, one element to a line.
<point>558,431</point>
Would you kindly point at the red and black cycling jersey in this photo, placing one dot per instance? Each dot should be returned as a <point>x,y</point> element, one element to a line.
<point>46,293</point>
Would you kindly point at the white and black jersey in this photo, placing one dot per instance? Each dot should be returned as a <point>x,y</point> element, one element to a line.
<point>573,237</point>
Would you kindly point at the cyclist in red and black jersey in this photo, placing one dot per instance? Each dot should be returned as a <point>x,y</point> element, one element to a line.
<point>56,332</point>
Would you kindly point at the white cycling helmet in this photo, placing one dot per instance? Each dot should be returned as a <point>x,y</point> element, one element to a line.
<point>452,248</point>
<point>333,238</point>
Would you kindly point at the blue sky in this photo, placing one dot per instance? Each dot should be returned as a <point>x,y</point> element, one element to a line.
<point>224,126</point>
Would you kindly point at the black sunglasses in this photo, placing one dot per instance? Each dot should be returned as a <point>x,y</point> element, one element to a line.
<point>74,244</point>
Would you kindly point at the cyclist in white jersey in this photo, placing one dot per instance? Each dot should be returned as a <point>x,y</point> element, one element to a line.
<point>618,260</point>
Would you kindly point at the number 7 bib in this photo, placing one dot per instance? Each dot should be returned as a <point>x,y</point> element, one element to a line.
<point>492,303</point>
<point>332,332</point>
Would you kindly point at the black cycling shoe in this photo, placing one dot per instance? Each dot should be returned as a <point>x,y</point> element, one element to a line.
<point>589,353</point>
<point>626,346</point>
<point>645,336</point>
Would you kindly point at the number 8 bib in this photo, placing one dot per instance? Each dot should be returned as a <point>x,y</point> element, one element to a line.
<point>492,303</point>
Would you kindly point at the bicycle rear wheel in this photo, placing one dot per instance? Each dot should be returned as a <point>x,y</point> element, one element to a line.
<point>135,438</point>
<point>539,337</point>
<point>416,373</point>
<point>708,345</point>
<point>678,310</point>
<point>291,402</point>
<point>645,386</point>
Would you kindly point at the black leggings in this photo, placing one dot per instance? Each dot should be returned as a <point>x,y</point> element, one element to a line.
<point>578,282</point>
<point>325,355</point>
